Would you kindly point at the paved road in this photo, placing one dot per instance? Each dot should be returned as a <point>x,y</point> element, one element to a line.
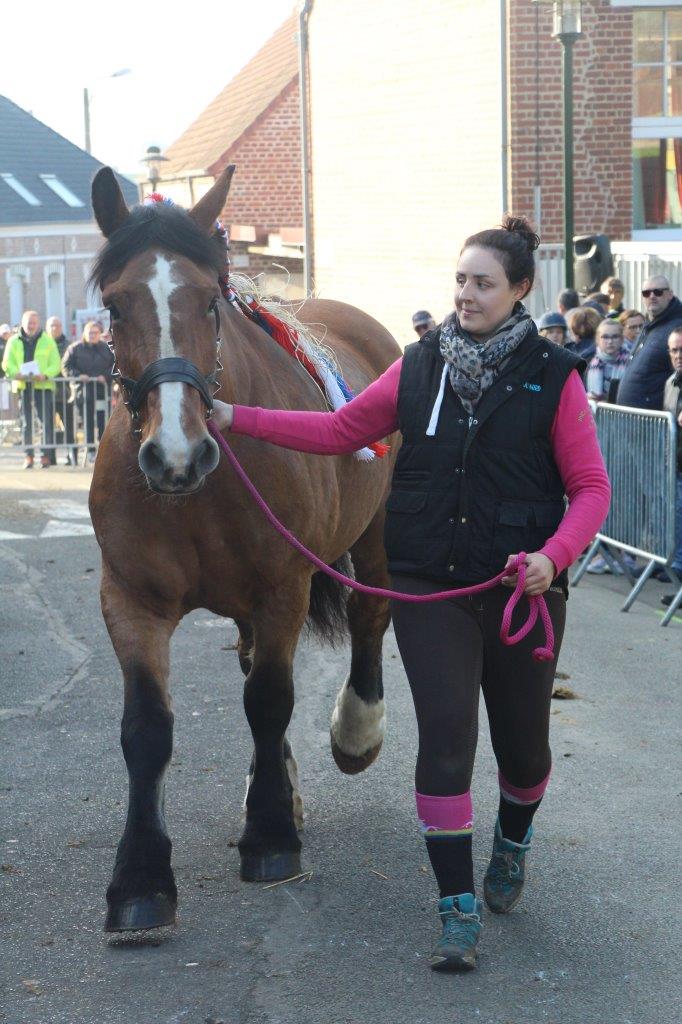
<point>597,935</point>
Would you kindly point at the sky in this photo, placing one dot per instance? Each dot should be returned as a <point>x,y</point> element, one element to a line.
<point>175,63</point>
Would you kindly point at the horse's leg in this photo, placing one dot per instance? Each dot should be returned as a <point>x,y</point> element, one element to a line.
<point>270,847</point>
<point>357,726</point>
<point>142,893</point>
<point>245,645</point>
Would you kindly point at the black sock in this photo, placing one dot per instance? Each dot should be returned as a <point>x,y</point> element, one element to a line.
<point>515,819</point>
<point>452,863</point>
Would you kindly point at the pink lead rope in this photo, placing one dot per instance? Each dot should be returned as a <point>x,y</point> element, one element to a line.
<point>537,602</point>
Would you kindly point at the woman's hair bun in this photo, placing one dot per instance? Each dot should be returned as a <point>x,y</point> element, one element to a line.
<point>521,226</point>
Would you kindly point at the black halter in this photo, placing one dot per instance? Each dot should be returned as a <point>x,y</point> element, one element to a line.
<point>170,368</point>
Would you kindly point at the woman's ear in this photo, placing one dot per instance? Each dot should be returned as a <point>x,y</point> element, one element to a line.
<point>521,289</point>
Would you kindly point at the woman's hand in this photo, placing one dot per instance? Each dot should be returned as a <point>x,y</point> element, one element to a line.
<point>222,415</point>
<point>540,571</point>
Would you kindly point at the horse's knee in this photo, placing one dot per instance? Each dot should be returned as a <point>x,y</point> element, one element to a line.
<point>357,730</point>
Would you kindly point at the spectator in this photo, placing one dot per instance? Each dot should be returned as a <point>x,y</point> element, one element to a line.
<point>672,402</point>
<point>53,326</point>
<point>583,326</point>
<point>90,361</point>
<point>632,321</point>
<point>567,299</point>
<point>614,288</point>
<point>5,335</point>
<point>608,363</point>
<point>644,380</point>
<point>422,321</point>
<point>553,326</point>
<point>598,301</point>
<point>33,346</point>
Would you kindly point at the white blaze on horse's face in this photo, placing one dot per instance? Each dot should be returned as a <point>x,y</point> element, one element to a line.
<point>179,452</point>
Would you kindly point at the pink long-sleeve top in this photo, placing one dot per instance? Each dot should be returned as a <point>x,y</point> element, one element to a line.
<point>373,414</point>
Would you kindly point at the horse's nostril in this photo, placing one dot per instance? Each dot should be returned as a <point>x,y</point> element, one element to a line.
<point>205,456</point>
<point>151,459</point>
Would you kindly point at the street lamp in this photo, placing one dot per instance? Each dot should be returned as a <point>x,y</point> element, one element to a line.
<point>152,159</point>
<point>86,106</point>
<point>567,24</point>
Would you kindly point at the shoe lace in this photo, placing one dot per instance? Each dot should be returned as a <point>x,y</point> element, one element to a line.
<point>504,864</point>
<point>456,924</point>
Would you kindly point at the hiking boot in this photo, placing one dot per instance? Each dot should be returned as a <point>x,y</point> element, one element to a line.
<point>461,919</point>
<point>503,882</point>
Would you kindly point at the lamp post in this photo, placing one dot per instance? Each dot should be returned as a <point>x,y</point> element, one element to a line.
<point>86,106</point>
<point>567,23</point>
<point>152,159</point>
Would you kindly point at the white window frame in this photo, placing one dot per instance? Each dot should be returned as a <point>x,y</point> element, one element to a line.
<point>61,190</point>
<point>654,127</point>
<point>20,189</point>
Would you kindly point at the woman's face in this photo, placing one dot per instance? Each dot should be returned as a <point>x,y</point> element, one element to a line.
<point>92,335</point>
<point>632,327</point>
<point>484,298</point>
<point>609,338</point>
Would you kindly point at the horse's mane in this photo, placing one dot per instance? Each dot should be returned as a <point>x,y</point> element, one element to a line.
<point>158,226</point>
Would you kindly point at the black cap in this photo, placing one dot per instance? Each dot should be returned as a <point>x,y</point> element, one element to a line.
<point>422,316</point>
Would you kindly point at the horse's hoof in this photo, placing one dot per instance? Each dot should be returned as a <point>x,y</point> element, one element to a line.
<point>269,867</point>
<point>350,764</point>
<point>140,914</point>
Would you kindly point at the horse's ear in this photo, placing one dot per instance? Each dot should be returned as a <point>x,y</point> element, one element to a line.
<point>108,204</point>
<point>210,206</point>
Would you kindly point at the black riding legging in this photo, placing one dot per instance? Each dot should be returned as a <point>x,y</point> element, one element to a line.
<point>451,649</point>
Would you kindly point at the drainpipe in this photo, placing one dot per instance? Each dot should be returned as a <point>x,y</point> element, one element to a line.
<point>303,15</point>
<point>504,101</point>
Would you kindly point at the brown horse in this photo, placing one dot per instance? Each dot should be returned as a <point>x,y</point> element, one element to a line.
<point>178,531</point>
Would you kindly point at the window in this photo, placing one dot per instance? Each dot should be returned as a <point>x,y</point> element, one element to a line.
<point>657,122</point>
<point>20,190</point>
<point>60,189</point>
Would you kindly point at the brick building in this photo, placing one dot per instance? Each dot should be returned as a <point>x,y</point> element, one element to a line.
<point>427,122</point>
<point>48,237</point>
<point>254,123</point>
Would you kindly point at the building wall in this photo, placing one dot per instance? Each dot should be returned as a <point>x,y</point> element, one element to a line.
<point>602,119</point>
<point>266,188</point>
<point>406,148</point>
<point>34,255</point>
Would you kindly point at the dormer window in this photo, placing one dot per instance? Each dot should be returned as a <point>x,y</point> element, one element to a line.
<point>60,189</point>
<point>20,189</point>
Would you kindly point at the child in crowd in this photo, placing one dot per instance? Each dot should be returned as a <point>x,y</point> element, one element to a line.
<point>608,363</point>
<point>553,326</point>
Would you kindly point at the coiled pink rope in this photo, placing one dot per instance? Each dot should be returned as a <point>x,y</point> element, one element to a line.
<point>537,602</point>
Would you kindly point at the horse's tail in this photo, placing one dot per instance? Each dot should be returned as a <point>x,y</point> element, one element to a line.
<point>327,615</point>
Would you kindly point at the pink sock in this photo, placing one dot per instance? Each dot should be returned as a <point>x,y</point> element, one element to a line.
<point>445,815</point>
<point>517,795</point>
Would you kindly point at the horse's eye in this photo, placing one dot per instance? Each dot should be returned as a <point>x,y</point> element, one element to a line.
<point>113,312</point>
<point>213,304</point>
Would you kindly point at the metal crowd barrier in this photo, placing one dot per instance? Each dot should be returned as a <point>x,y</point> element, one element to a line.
<point>70,416</point>
<point>639,449</point>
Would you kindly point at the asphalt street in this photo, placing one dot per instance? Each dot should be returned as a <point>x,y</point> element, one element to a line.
<point>596,937</point>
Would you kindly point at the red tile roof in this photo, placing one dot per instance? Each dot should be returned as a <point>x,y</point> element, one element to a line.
<point>228,116</point>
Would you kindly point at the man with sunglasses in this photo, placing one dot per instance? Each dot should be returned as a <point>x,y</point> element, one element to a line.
<point>644,380</point>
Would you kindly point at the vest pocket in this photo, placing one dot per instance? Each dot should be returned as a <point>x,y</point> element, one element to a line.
<point>523,526</point>
<point>403,531</point>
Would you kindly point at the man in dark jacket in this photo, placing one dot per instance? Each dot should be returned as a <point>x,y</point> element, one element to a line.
<point>672,402</point>
<point>91,362</point>
<point>644,379</point>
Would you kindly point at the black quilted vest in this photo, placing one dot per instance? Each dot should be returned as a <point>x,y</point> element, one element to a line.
<point>483,487</point>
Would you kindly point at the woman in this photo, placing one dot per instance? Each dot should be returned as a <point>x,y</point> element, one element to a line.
<point>632,322</point>
<point>92,362</point>
<point>496,429</point>
<point>583,324</point>
<point>607,366</point>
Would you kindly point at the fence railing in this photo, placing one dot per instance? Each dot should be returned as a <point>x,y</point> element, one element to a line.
<point>70,415</point>
<point>640,452</point>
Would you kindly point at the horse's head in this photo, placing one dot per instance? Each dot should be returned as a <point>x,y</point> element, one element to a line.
<point>159,273</point>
